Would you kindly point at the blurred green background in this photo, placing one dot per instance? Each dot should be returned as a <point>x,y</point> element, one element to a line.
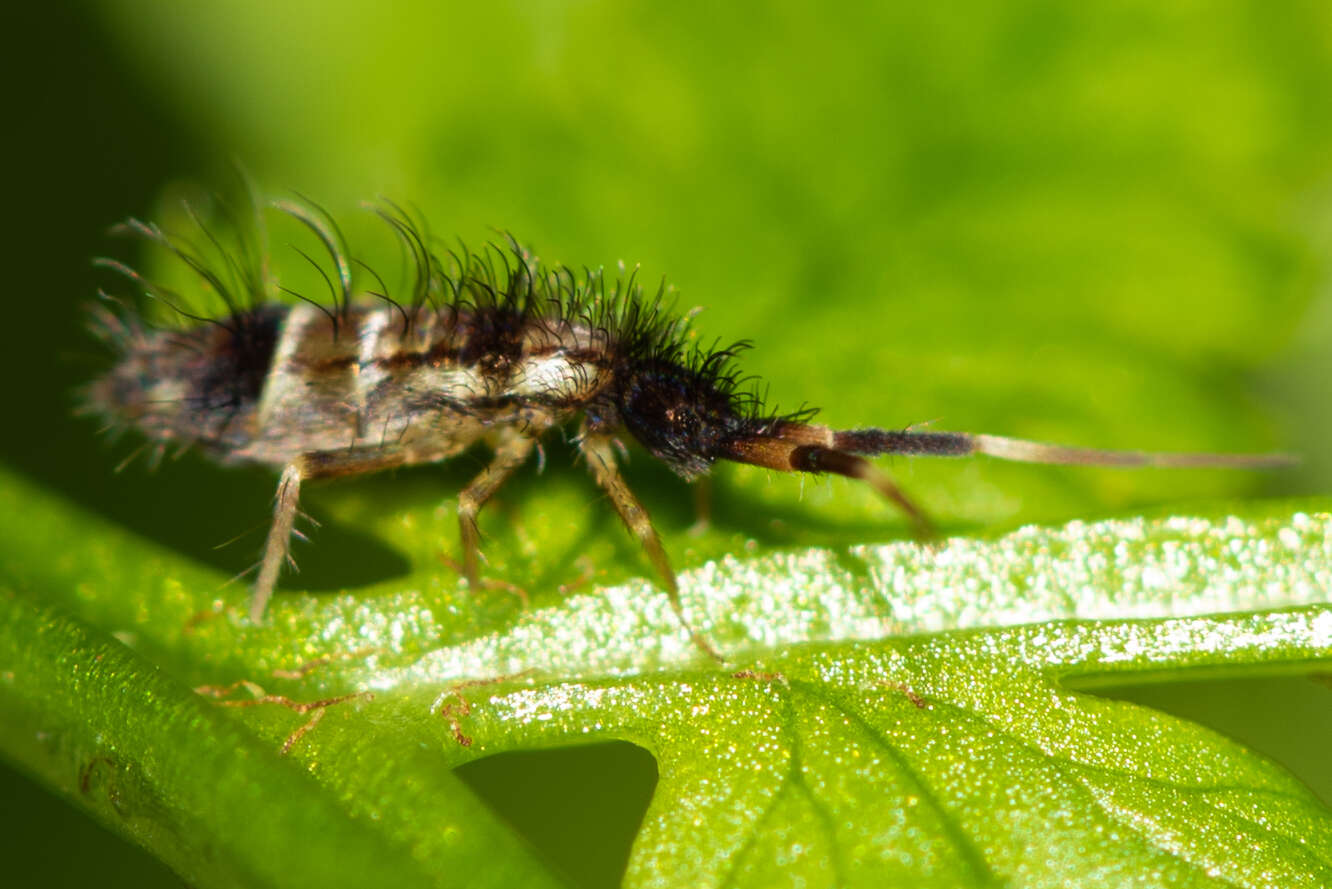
<point>1104,224</point>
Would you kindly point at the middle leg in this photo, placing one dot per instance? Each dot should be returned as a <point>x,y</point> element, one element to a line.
<point>510,453</point>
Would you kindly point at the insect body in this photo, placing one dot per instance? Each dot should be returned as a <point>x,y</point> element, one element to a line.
<point>494,348</point>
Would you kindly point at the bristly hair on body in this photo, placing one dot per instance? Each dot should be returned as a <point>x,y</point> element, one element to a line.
<point>490,346</point>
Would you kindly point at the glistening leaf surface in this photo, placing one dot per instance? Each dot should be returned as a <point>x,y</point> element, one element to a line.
<point>1024,219</point>
<point>912,740</point>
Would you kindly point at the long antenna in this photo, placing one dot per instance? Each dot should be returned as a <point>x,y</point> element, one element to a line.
<point>871,442</point>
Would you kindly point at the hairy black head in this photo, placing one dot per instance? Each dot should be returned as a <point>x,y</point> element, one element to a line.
<point>683,413</point>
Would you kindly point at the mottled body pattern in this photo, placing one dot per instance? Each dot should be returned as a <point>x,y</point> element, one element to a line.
<point>491,348</point>
<point>379,394</point>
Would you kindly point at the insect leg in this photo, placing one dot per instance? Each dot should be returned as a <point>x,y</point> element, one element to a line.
<point>511,453</point>
<point>314,465</point>
<point>276,549</point>
<point>599,450</point>
<point>702,488</point>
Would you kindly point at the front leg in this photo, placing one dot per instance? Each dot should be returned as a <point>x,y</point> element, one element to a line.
<point>599,450</point>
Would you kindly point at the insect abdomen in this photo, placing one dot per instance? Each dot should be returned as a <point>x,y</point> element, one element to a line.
<point>194,386</point>
<point>281,383</point>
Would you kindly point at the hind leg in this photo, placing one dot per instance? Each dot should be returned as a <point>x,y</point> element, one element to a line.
<point>277,549</point>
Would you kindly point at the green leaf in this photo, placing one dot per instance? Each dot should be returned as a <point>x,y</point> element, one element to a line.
<point>168,769</point>
<point>879,724</point>
<point>1097,224</point>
